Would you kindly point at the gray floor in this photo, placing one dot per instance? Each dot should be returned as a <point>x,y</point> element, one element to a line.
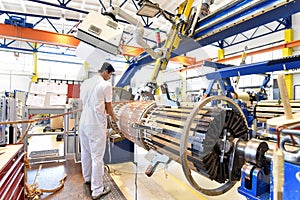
<point>74,187</point>
<point>165,184</point>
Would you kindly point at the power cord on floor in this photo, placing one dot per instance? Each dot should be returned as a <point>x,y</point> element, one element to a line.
<point>136,165</point>
<point>110,170</point>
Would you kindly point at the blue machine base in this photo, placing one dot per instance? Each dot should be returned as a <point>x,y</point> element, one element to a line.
<point>291,183</point>
<point>291,188</point>
<point>121,152</point>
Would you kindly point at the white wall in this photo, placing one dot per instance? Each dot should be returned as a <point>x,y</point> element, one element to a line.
<point>296,26</point>
<point>9,83</point>
<point>60,70</point>
<point>296,80</point>
<point>16,70</point>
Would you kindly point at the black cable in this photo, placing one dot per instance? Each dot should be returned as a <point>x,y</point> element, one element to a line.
<point>136,166</point>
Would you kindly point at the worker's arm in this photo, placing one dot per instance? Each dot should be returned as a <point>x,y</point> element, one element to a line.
<point>110,111</point>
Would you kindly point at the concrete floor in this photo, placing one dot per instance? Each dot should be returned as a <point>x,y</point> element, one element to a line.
<point>50,175</point>
<point>166,183</point>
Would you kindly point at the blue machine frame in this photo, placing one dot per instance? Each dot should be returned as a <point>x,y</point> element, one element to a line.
<point>257,68</point>
<point>254,15</point>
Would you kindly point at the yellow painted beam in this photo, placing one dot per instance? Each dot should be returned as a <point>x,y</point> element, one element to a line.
<point>289,84</point>
<point>288,35</point>
<point>182,95</point>
<point>86,65</point>
<point>221,54</point>
<point>34,77</point>
<point>288,51</point>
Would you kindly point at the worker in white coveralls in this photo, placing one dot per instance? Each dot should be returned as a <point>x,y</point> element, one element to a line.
<point>96,97</point>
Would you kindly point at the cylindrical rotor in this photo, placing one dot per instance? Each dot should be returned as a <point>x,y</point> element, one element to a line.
<point>209,136</point>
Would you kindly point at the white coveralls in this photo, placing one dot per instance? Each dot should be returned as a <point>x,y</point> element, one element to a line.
<point>94,92</point>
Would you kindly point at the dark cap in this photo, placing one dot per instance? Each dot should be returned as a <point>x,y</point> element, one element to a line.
<point>107,66</point>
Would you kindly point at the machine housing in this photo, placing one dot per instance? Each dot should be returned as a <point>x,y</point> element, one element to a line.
<point>101,32</point>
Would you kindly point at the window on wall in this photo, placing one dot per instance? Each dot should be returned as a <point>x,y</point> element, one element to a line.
<point>60,67</point>
<point>258,57</point>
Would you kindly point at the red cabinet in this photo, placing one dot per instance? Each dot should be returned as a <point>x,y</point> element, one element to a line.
<point>12,172</point>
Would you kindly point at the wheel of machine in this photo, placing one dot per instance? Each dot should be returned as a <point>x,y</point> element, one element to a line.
<point>215,144</point>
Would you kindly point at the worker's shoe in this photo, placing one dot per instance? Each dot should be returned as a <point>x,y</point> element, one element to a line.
<point>106,190</point>
<point>87,188</point>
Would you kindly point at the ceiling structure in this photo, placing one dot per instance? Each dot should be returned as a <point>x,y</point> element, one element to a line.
<point>62,16</point>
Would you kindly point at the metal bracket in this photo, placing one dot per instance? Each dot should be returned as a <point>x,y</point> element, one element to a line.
<point>155,159</point>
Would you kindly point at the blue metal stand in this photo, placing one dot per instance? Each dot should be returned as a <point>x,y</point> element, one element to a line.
<point>256,187</point>
<point>291,181</point>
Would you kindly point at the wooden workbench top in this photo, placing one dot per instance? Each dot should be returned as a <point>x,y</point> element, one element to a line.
<point>7,153</point>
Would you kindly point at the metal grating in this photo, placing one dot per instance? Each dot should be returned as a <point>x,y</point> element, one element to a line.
<point>115,191</point>
<point>44,153</point>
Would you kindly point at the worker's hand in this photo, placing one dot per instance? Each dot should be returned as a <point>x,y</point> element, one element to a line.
<point>115,119</point>
<point>118,124</point>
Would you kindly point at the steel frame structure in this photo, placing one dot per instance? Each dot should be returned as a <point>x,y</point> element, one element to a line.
<point>63,4</point>
<point>270,28</point>
<point>235,18</point>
